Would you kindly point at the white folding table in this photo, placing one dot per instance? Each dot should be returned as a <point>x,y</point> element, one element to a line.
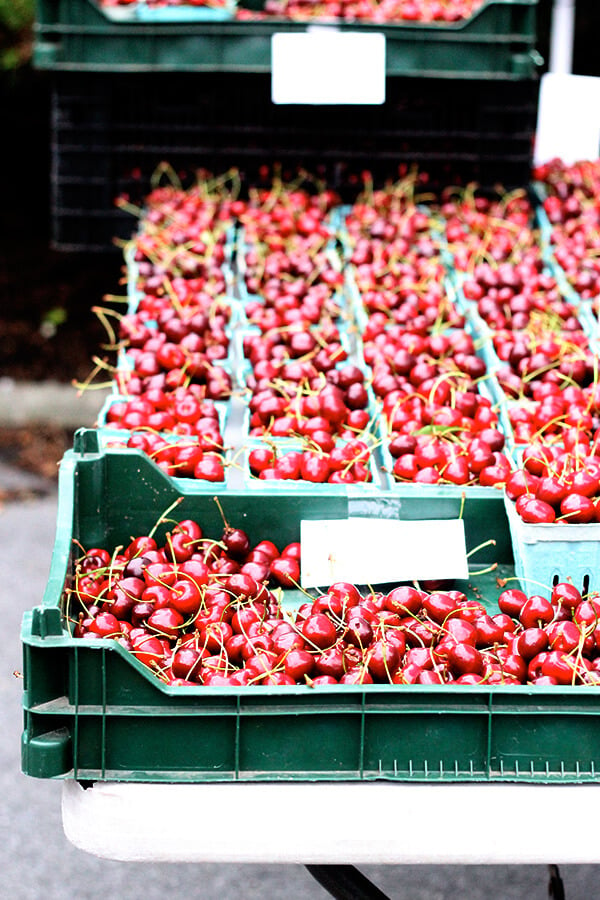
<point>334,823</point>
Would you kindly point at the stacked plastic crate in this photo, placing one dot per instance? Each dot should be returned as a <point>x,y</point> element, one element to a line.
<point>271,371</point>
<point>193,87</point>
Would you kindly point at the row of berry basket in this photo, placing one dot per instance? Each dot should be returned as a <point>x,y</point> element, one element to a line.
<point>174,694</point>
<point>352,318</point>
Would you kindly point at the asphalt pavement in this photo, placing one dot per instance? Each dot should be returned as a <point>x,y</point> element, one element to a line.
<point>36,859</point>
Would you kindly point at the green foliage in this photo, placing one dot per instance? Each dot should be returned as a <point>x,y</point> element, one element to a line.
<point>16,15</point>
<point>16,22</point>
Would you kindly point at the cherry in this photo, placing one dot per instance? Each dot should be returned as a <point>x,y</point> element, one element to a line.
<point>359,632</point>
<point>237,542</point>
<point>531,641</point>
<point>564,636</point>
<point>566,595</point>
<point>465,659</point>
<point>285,571</point>
<point>439,606</point>
<point>577,508</point>
<point>147,649</point>
<point>319,631</point>
<point>536,511</point>
<point>104,624</point>
<point>536,612</point>
<point>185,596</point>
<point>382,659</point>
<point>165,621</point>
<point>404,600</point>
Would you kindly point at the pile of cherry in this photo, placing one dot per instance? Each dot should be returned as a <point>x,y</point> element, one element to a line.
<point>556,484</point>
<point>424,11</point>
<point>160,4</point>
<point>571,205</point>
<point>543,358</point>
<point>432,327</point>
<point>302,379</point>
<point>199,611</point>
<point>175,340</point>
<point>437,425</point>
<point>399,11</point>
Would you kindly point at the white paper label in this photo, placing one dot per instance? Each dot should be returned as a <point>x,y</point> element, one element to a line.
<point>325,66</point>
<point>376,551</point>
<point>568,124</point>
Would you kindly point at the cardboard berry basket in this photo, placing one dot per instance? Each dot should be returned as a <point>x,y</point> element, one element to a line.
<point>545,554</point>
<point>135,291</point>
<point>360,315</point>
<point>584,307</point>
<point>93,712</point>
<point>252,482</point>
<point>143,11</point>
<point>105,424</point>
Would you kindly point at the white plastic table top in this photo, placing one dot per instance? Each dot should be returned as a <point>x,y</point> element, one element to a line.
<point>333,823</point>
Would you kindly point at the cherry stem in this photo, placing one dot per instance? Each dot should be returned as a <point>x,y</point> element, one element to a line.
<point>489,543</point>
<point>164,517</point>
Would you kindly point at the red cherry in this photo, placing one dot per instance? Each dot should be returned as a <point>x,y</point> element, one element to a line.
<point>330,662</point>
<point>294,551</point>
<point>242,586</point>
<point>460,631</point>
<point>166,621</point>
<point>405,468</point>
<point>298,663</point>
<point>404,600</point>
<point>268,548</point>
<point>511,601</point>
<point>285,571</point>
<point>148,649</point>
<point>520,482</point>
<point>536,612</point>
<point>210,468</point>
<point>536,511</point>
<point>359,675</point>
<point>457,471</point>
<point>559,666</point>
<point>187,662</point>
<point>585,482</point>
<point>577,509</point>
<point>531,641</point>
<point>565,595</point>
<point>382,659</point>
<point>185,596</point>
<point>465,659</point>
<point>564,636</point>
<point>439,606</point>
<point>105,624</point>
<point>319,630</point>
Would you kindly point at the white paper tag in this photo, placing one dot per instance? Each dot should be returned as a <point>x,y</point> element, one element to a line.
<point>325,66</point>
<point>376,551</point>
<point>568,123</point>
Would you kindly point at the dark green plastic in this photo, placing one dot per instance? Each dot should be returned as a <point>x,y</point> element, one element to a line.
<point>93,712</point>
<point>499,41</point>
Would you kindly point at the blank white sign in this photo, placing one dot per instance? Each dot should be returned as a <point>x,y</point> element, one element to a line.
<point>376,551</point>
<point>325,66</point>
<point>568,124</point>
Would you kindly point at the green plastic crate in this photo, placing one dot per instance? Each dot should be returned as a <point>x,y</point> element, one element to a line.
<point>499,41</point>
<point>92,712</point>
